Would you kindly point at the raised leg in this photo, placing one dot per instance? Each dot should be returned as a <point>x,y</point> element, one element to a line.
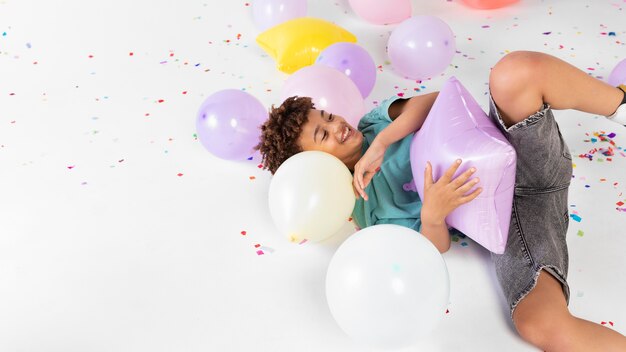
<point>523,80</point>
<point>543,319</point>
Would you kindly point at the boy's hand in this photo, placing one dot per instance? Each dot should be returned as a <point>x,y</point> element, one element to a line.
<point>367,166</point>
<point>445,195</point>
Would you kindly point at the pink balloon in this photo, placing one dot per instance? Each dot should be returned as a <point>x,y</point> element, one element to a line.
<point>457,127</point>
<point>618,74</point>
<point>382,12</point>
<point>421,47</point>
<point>269,13</point>
<point>488,4</point>
<point>330,90</point>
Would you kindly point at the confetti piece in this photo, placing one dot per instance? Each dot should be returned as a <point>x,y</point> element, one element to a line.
<point>161,100</point>
<point>243,233</point>
<point>546,33</point>
<point>252,178</point>
<point>179,174</point>
<point>267,249</point>
<point>575,217</point>
<point>259,252</point>
<point>464,244</point>
<point>580,233</point>
<point>303,241</point>
<point>71,167</point>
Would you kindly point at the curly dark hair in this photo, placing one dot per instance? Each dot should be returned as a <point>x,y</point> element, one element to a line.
<point>280,133</point>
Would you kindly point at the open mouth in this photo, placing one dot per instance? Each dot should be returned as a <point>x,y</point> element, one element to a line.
<point>347,133</point>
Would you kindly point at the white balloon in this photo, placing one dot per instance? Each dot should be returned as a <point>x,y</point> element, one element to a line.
<point>387,286</point>
<point>311,196</point>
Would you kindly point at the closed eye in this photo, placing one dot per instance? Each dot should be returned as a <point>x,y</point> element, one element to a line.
<point>324,136</point>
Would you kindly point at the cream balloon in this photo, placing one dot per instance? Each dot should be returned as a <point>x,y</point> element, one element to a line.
<point>311,196</point>
<point>387,286</point>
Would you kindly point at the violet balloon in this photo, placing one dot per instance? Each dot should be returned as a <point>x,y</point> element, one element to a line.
<point>421,47</point>
<point>354,61</point>
<point>456,127</point>
<point>228,124</point>
<point>269,13</point>
<point>330,90</point>
<point>618,74</point>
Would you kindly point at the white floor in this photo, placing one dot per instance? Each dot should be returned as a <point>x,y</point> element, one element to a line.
<point>119,232</point>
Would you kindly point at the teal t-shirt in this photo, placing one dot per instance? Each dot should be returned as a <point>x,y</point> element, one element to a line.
<point>392,196</point>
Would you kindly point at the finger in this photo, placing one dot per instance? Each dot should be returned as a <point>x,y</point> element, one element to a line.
<point>471,196</point>
<point>368,178</point>
<point>355,184</point>
<point>428,176</point>
<point>467,186</point>
<point>358,176</point>
<point>462,178</point>
<point>357,195</point>
<point>447,176</point>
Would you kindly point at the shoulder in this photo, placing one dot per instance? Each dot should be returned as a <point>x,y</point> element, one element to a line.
<point>385,112</point>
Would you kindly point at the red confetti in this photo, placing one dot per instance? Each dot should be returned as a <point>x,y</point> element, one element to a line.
<point>447,311</point>
<point>257,245</point>
<point>71,167</point>
<point>259,252</point>
<point>91,56</point>
<point>131,54</point>
<point>161,100</point>
<point>179,174</point>
<point>260,166</point>
<point>185,92</point>
<point>619,204</point>
<point>171,54</point>
<point>252,177</point>
<point>400,94</point>
<point>243,233</point>
<point>350,218</point>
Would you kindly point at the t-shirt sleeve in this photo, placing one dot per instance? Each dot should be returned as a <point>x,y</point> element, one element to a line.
<point>378,114</point>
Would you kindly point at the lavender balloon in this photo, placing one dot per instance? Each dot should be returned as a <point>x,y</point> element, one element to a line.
<point>618,75</point>
<point>354,62</point>
<point>456,127</point>
<point>421,47</point>
<point>228,124</point>
<point>269,13</point>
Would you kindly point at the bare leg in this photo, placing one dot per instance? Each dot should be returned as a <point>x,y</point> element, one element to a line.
<point>523,80</point>
<point>542,318</point>
<point>520,84</point>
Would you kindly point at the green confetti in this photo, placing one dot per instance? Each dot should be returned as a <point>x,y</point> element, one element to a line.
<point>580,233</point>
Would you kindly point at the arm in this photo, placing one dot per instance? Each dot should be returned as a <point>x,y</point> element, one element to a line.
<point>441,198</point>
<point>407,117</point>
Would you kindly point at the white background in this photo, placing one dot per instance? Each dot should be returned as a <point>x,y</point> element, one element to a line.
<point>105,247</point>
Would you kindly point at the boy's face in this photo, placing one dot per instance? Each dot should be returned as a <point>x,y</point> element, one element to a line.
<point>332,134</point>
